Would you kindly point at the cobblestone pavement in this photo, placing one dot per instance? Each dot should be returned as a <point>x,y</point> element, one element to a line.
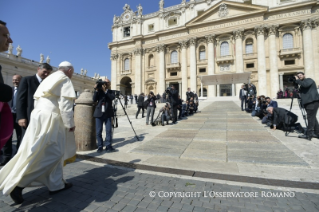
<point>103,188</point>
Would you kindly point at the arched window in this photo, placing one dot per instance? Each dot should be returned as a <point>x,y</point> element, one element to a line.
<point>127,64</point>
<point>288,41</point>
<point>205,92</point>
<point>249,46</point>
<point>202,53</point>
<point>174,58</point>
<point>151,61</point>
<point>224,49</point>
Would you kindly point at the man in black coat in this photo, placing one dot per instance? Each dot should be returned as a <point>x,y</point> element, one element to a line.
<point>140,105</point>
<point>103,113</point>
<point>243,97</point>
<point>135,97</point>
<point>164,97</point>
<point>310,100</point>
<point>281,116</point>
<point>189,94</point>
<point>180,106</point>
<point>26,90</point>
<point>174,102</point>
<point>7,148</point>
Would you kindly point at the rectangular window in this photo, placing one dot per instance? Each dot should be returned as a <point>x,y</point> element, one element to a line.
<point>202,55</point>
<point>249,48</point>
<point>151,27</point>
<point>202,70</point>
<point>289,62</point>
<point>250,65</point>
<point>127,32</point>
<point>173,74</point>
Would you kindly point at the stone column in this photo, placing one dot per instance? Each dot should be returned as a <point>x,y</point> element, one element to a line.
<point>218,91</point>
<point>273,61</point>
<point>193,67</point>
<point>281,81</point>
<point>233,90</point>
<point>180,84</point>
<point>184,45</point>
<point>307,45</point>
<point>315,49</point>
<point>114,58</point>
<point>161,71</point>
<point>262,77</point>
<point>201,88</point>
<point>211,63</point>
<point>238,35</point>
<point>138,70</point>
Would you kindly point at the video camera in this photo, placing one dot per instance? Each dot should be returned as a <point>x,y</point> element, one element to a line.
<point>99,83</point>
<point>292,80</point>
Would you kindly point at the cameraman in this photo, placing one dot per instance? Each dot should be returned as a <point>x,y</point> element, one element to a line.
<point>173,94</point>
<point>166,115</point>
<point>310,100</point>
<point>150,107</point>
<point>103,113</point>
<point>189,94</point>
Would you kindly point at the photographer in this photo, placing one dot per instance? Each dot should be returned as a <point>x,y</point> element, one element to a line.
<point>173,94</point>
<point>103,113</point>
<point>282,118</point>
<point>166,115</point>
<point>189,94</point>
<point>310,101</point>
<point>179,107</point>
<point>140,106</point>
<point>150,107</point>
<point>242,97</point>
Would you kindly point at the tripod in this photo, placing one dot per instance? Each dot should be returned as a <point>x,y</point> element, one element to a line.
<point>115,109</point>
<point>303,112</point>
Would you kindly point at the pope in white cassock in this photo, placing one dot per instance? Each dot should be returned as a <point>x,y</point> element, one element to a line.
<point>48,141</point>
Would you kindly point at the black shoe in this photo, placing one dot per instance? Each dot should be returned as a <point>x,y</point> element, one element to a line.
<point>16,195</point>
<point>67,186</point>
<point>99,150</point>
<point>110,149</point>
<point>143,116</point>
<point>163,124</point>
<point>136,117</point>
<point>305,137</point>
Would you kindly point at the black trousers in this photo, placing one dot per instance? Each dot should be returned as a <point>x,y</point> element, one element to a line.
<point>312,109</point>
<point>243,102</point>
<point>138,111</point>
<point>174,113</point>
<point>7,148</point>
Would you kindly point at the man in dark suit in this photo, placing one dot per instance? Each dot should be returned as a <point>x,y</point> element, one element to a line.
<point>310,100</point>
<point>140,105</point>
<point>7,148</point>
<point>268,117</point>
<point>180,107</point>
<point>189,94</point>
<point>243,97</point>
<point>174,102</point>
<point>282,118</point>
<point>26,90</point>
<point>103,114</point>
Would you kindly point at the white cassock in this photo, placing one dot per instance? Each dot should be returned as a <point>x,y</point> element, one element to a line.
<point>47,142</point>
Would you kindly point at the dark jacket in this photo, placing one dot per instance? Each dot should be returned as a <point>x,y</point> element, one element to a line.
<point>173,97</point>
<point>282,116</point>
<point>140,101</point>
<point>273,104</point>
<point>6,91</point>
<point>189,95</point>
<point>308,91</point>
<point>106,98</point>
<point>25,101</point>
<point>241,93</point>
<point>149,100</point>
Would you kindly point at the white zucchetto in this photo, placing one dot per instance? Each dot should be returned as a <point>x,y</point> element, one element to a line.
<point>65,63</point>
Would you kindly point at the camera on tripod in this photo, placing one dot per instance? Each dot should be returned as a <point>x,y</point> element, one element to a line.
<point>292,80</point>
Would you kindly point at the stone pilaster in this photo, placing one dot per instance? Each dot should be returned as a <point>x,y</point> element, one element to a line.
<point>161,71</point>
<point>238,36</point>
<point>306,27</point>
<point>272,33</point>
<point>211,63</point>
<point>281,80</point>
<point>184,45</point>
<point>138,70</point>
<point>314,35</point>
<point>114,68</point>
<point>262,77</point>
<point>193,79</point>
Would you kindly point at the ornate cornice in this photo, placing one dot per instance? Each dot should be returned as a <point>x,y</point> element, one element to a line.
<point>114,56</point>
<point>260,30</point>
<point>272,29</point>
<point>306,24</point>
<point>315,23</point>
<point>160,48</point>
<point>138,51</point>
<point>210,38</point>
<point>192,41</point>
<point>183,44</point>
<point>238,33</point>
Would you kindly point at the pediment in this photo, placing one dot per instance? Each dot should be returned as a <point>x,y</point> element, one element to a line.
<point>227,10</point>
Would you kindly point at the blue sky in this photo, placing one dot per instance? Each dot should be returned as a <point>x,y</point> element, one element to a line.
<point>74,30</point>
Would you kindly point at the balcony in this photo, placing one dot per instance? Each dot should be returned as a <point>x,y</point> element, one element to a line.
<point>290,52</point>
<point>173,66</point>
<point>126,72</point>
<point>225,59</point>
<point>202,62</point>
<point>250,56</point>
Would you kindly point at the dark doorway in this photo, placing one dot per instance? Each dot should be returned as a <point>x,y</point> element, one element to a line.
<point>126,87</point>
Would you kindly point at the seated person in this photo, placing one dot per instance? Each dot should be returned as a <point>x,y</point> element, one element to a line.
<point>282,118</point>
<point>250,103</point>
<point>191,107</point>
<point>186,108</point>
<point>166,115</point>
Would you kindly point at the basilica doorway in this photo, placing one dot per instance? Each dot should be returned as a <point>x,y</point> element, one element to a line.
<point>225,90</point>
<point>126,87</point>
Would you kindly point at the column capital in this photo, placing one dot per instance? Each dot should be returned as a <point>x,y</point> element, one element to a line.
<point>138,51</point>
<point>160,48</point>
<point>114,56</point>
<point>260,30</point>
<point>238,33</point>
<point>183,44</point>
<point>192,41</point>
<point>315,23</point>
<point>306,24</point>
<point>272,29</point>
<point>210,38</point>
<point>281,73</point>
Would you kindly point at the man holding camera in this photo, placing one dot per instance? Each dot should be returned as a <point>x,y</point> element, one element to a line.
<point>166,115</point>
<point>242,97</point>
<point>103,113</point>
<point>173,94</point>
<point>310,101</point>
